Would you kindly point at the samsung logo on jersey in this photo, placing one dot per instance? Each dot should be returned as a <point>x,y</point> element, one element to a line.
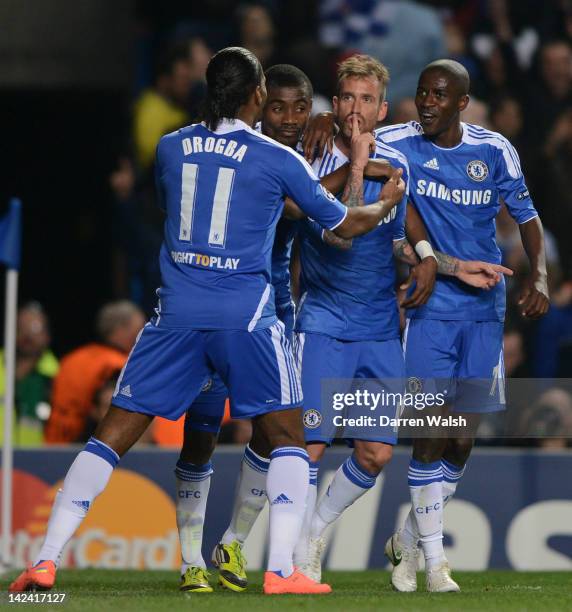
<point>222,146</point>
<point>467,197</point>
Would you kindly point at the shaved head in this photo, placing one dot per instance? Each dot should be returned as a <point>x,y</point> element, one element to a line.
<point>455,71</point>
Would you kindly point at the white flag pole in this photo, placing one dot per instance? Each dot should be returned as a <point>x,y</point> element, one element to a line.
<point>7,449</point>
<point>11,237</point>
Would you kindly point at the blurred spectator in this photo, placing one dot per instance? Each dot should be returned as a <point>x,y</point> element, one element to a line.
<point>36,366</point>
<point>549,420</point>
<point>552,355</point>
<point>506,118</point>
<point>100,405</point>
<point>556,193</point>
<point>84,370</point>
<point>510,244</point>
<point>138,234</point>
<point>550,99</point>
<point>514,355</point>
<point>477,113</point>
<point>404,111</point>
<point>256,31</point>
<point>165,107</point>
<point>403,34</point>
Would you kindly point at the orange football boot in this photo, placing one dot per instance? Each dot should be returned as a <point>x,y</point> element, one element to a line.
<point>296,583</point>
<point>40,577</point>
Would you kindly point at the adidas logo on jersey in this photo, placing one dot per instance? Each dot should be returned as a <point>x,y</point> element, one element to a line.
<point>126,391</point>
<point>432,163</point>
<point>282,499</point>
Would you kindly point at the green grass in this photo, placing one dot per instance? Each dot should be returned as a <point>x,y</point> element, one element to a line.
<point>102,590</point>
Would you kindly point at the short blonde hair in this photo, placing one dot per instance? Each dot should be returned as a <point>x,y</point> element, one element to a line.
<point>364,66</point>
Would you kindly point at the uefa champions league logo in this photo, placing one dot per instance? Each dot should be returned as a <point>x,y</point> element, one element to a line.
<point>312,419</point>
<point>477,170</point>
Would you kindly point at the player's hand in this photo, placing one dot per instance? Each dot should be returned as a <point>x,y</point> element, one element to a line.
<point>423,275</point>
<point>394,189</point>
<point>378,168</point>
<point>362,145</point>
<point>481,274</point>
<point>319,135</point>
<point>534,301</point>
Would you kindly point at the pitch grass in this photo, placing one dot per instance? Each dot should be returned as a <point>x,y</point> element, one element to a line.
<point>108,590</point>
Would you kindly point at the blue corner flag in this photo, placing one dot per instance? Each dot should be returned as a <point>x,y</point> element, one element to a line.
<point>11,235</point>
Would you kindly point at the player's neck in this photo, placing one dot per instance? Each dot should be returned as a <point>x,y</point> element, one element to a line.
<point>449,138</point>
<point>248,114</point>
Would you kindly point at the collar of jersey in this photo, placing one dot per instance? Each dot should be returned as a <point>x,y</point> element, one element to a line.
<point>231,125</point>
<point>456,146</point>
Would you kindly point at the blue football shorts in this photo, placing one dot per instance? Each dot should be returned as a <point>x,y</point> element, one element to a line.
<point>461,359</point>
<point>168,368</point>
<point>207,411</point>
<point>321,357</point>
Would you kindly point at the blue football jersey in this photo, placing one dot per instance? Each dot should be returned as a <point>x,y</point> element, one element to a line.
<point>281,252</point>
<point>223,193</point>
<point>350,295</point>
<point>458,192</point>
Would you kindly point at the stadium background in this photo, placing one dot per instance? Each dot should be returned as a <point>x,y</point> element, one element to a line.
<point>71,74</point>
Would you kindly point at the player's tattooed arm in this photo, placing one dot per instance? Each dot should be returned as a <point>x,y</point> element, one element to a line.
<point>446,264</point>
<point>404,252</point>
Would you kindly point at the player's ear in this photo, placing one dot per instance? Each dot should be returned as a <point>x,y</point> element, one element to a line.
<point>463,103</point>
<point>335,103</point>
<point>259,95</point>
<point>382,113</point>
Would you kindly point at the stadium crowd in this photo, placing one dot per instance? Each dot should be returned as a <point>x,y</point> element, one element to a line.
<point>519,57</point>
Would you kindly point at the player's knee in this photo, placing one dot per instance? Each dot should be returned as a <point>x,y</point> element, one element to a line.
<point>373,457</point>
<point>458,451</point>
<point>198,446</point>
<point>315,452</point>
<point>258,442</point>
<point>283,428</point>
<point>428,450</point>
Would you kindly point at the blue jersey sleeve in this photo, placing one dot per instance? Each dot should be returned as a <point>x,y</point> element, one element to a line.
<point>399,227</point>
<point>397,160</point>
<point>510,183</point>
<point>301,184</point>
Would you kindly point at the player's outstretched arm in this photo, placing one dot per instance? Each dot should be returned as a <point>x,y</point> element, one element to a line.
<point>362,219</point>
<point>534,301</point>
<point>478,274</point>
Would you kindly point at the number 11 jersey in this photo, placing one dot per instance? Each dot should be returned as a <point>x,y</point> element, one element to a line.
<point>223,193</point>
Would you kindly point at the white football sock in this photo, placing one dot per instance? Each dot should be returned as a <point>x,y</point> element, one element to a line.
<point>250,496</point>
<point>451,476</point>
<point>193,484</point>
<point>86,479</point>
<point>350,482</point>
<point>287,489</point>
<point>301,549</point>
<point>427,500</point>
